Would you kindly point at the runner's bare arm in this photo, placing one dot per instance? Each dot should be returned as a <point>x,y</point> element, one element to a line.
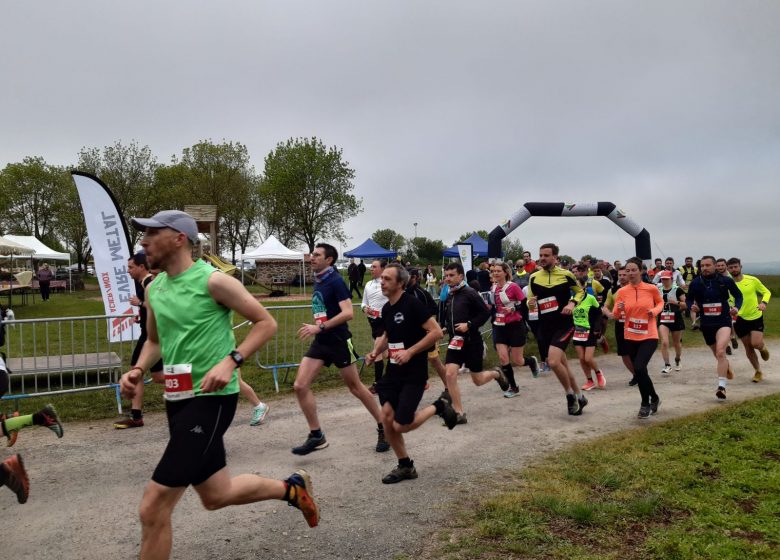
<point>380,345</point>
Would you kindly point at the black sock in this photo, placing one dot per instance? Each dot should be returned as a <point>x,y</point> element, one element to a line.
<point>510,375</point>
<point>2,428</point>
<point>379,370</point>
<point>136,413</point>
<point>316,433</point>
<point>4,475</point>
<point>38,419</point>
<point>380,426</point>
<point>405,462</point>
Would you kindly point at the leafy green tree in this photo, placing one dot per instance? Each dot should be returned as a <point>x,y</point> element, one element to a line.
<point>308,191</point>
<point>389,239</point>
<point>513,249</point>
<point>72,227</point>
<point>424,250</point>
<point>31,194</point>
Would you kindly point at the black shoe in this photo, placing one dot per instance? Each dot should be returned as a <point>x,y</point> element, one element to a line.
<point>728,350</point>
<point>654,405</point>
<point>734,343</point>
<point>311,444</point>
<point>573,405</point>
<point>381,442</point>
<point>721,393</point>
<point>445,396</point>
<point>502,381</point>
<point>461,418</point>
<point>448,414</point>
<point>533,363</point>
<point>644,412</point>
<point>633,382</point>
<point>400,473</point>
<point>583,402</point>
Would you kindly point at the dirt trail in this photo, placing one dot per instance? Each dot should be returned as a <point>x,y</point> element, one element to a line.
<point>86,487</point>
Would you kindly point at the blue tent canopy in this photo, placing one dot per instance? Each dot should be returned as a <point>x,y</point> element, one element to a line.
<point>479,246</point>
<point>370,249</point>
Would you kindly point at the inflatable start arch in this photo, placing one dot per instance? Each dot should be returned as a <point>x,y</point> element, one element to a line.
<point>566,209</point>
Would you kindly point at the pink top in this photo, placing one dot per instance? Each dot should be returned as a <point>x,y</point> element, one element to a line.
<point>505,297</point>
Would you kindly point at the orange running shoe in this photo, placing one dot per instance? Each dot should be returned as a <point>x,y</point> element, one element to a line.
<point>16,477</point>
<point>300,495</point>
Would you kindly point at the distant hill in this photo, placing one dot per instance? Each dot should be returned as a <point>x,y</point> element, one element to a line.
<point>761,268</point>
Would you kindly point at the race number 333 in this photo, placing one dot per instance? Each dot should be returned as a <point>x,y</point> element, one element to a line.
<point>178,382</point>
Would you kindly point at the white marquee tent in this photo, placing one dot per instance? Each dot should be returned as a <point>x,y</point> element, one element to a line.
<point>272,250</point>
<point>41,252</point>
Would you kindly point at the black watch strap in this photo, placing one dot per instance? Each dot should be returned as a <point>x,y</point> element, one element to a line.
<point>236,356</point>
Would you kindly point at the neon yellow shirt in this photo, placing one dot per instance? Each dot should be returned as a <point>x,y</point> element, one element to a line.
<point>750,286</point>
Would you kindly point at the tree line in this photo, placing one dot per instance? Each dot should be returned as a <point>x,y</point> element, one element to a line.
<point>303,194</point>
<point>424,250</point>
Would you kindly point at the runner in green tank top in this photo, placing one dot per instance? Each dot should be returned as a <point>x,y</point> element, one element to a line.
<point>189,325</point>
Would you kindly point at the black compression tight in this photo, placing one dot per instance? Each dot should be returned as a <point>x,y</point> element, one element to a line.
<point>640,353</point>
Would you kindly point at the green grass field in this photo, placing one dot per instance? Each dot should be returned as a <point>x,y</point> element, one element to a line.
<point>702,487</point>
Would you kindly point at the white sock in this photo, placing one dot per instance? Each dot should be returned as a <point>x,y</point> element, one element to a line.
<point>722,382</point>
<point>261,405</point>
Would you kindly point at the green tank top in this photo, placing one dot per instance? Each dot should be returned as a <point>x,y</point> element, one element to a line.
<point>191,326</point>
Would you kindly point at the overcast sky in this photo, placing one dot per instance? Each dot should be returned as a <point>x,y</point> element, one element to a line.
<point>453,114</point>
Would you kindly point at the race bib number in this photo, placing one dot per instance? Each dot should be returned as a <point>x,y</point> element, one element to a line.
<point>500,319</point>
<point>581,334</point>
<point>548,305</point>
<point>373,313</point>
<point>713,309</point>
<point>393,348</point>
<point>178,382</point>
<point>637,326</point>
<point>533,315</point>
<point>456,343</point>
<point>667,316</point>
<point>320,317</point>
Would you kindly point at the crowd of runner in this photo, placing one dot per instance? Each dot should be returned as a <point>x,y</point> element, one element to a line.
<point>188,308</point>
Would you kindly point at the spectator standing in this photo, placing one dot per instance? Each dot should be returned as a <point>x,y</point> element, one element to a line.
<point>44,277</point>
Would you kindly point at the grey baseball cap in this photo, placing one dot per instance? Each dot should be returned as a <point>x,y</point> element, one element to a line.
<point>174,219</point>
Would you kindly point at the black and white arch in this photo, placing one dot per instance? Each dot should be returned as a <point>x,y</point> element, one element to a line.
<point>566,209</point>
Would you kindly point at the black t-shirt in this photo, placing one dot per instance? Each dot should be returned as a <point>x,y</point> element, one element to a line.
<point>404,325</point>
<point>140,290</point>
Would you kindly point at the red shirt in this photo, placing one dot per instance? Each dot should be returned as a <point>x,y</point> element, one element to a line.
<point>530,267</point>
<point>514,294</point>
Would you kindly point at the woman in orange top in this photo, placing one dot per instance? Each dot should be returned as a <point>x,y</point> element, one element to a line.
<point>640,303</point>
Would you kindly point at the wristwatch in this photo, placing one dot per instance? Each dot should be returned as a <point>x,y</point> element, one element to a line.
<point>322,326</point>
<point>236,356</point>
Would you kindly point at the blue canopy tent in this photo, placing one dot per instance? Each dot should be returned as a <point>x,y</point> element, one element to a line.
<point>370,249</point>
<point>479,247</point>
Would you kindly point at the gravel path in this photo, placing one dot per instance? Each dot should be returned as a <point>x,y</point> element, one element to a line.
<point>86,487</point>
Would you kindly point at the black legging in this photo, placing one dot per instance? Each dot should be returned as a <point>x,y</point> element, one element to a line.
<point>640,353</point>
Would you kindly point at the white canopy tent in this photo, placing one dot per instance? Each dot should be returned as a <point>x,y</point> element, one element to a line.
<point>272,250</point>
<point>42,252</point>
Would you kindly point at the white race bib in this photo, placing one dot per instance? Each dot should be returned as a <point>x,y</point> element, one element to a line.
<point>393,348</point>
<point>178,382</point>
<point>548,305</point>
<point>667,316</point>
<point>320,317</point>
<point>456,343</point>
<point>713,309</point>
<point>500,319</point>
<point>637,326</point>
<point>373,313</point>
<point>581,334</point>
<point>533,315</point>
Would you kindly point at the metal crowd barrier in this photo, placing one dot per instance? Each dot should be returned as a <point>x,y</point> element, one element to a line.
<point>57,356</point>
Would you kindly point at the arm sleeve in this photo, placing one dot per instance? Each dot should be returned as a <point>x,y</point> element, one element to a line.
<point>482,312</point>
<point>364,303</point>
<point>735,291</point>
<point>658,303</point>
<point>766,295</point>
<point>574,286</point>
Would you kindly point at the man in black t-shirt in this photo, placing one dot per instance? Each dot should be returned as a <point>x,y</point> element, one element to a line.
<point>410,330</point>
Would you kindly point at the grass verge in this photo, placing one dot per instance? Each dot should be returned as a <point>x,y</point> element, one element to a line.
<point>702,487</point>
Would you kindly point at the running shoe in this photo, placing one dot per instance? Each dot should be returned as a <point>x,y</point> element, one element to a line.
<point>721,393</point>
<point>129,423</point>
<point>757,377</point>
<point>588,385</point>
<point>259,413</point>
<point>445,395</point>
<point>654,405</point>
<point>301,496</point>
<point>533,363</point>
<point>729,373</point>
<point>667,369</point>
<point>633,381</point>
<point>604,344</point>
<point>16,477</point>
<point>13,434</point>
<point>764,353</point>
<point>311,444</point>
<point>644,412</point>
<point>51,420</point>
<point>448,414</point>
<point>381,442</point>
<point>728,350</point>
<point>583,402</point>
<point>512,393</point>
<point>677,366</point>
<point>501,379</point>
<point>601,381</point>
<point>695,325</point>
<point>461,418</point>
<point>734,343</point>
<point>400,473</point>
<point>572,405</point>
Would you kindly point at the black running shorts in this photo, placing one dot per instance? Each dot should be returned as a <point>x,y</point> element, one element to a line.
<point>557,333</point>
<point>709,332</point>
<point>512,334</point>
<point>469,356</point>
<point>377,328</point>
<point>338,352</point>
<point>403,393</point>
<point>195,450</point>
<point>158,367</point>
<point>620,340</point>
<point>743,328</point>
<point>588,343</point>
